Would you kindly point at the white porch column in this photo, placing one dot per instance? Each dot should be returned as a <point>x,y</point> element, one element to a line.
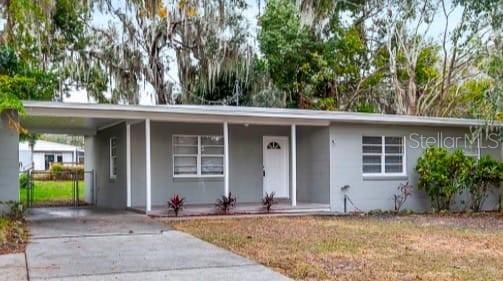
<point>128,163</point>
<point>148,166</point>
<point>226,159</point>
<point>294,165</point>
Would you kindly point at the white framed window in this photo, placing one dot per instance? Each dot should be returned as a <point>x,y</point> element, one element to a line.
<point>472,148</point>
<point>198,156</point>
<point>383,156</point>
<point>113,157</point>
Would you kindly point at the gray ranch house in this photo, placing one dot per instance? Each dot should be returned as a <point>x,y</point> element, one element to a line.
<point>142,155</point>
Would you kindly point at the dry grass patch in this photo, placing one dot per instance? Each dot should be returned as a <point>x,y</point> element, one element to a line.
<point>363,248</point>
<point>13,236</point>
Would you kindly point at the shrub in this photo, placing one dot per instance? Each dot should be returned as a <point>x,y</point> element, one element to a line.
<point>268,201</point>
<point>24,180</point>
<point>176,203</point>
<point>41,176</point>
<point>459,167</point>
<point>486,174</point>
<point>443,174</point>
<point>225,203</point>
<point>403,192</point>
<point>59,171</point>
<point>56,168</point>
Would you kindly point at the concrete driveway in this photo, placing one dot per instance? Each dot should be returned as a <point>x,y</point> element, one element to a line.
<point>89,244</point>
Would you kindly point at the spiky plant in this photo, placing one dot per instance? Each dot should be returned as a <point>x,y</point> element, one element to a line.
<point>176,203</point>
<point>225,203</point>
<point>268,201</point>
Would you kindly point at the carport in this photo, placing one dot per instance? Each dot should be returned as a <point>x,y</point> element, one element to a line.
<point>73,122</point>
<point>40,119</point>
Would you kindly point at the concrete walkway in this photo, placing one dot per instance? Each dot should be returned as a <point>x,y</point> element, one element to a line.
<point>13,267</point>
<point>93,244</point>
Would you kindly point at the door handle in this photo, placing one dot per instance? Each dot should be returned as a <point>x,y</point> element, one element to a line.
<point>263,172</point>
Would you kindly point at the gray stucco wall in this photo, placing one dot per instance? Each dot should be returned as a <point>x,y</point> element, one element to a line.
<point>111,193</point>
<point>245,167</point>
<point>246,159</point>
<point>377,193</point>
<point>9,163</point>
<point>195,190</point>
<point>313,164</point>
<point>245,163</point>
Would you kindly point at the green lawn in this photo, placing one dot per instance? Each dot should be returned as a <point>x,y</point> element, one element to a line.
<point>53,192</point>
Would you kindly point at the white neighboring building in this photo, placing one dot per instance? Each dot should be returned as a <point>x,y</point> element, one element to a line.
<point>46,152</point>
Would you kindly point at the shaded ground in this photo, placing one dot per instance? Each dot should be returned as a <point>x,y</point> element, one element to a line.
<point>457,247</point>
<point>13,236</point>
<point>53,193</point>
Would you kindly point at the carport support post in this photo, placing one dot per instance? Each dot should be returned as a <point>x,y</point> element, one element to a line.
<point>226,159</point>
<point>148,167</point>
<point>128,163</point>
<point>294,165</point>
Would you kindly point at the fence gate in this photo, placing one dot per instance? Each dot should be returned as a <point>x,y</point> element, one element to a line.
<point>56,189</point>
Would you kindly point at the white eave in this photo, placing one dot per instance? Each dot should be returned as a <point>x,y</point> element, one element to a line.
<point>233,114</point>
<point>47,146</point>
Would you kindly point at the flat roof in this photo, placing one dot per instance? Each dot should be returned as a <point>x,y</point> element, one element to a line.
<point>93,116</point>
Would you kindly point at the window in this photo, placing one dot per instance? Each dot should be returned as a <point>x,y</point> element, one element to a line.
<point>383,155</point>
<point>113,158</point>
<point>273,145</point>
<point>471,148</point>
<point>199,156</point>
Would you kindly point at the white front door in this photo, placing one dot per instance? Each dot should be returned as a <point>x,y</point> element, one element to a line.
<point>276,166</point>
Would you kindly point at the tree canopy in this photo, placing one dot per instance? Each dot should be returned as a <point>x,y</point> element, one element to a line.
<point>19,81</point>
<point>418,57</point>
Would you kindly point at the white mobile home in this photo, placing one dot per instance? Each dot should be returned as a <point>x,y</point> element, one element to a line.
<point>45,153</point>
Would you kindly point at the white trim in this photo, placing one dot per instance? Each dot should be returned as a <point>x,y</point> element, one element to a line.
<point>196,176</point>
<point>233,114</point>
<point>128,163</point>
<point>294,165</point>
<point>383,173</point>
<point>148,172</point>
<point>477,154</point>
<point>198,156</point>
<point>478,146</point>
<point>286,155</point>
<point>112,164</point>
<point>226,159</point>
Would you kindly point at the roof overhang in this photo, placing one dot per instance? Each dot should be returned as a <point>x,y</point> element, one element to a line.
<point>86,119</point>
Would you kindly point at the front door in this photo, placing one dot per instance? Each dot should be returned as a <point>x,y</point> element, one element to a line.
<point>276,165</point>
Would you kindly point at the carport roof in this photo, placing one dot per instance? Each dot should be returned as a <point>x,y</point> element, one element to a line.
<point>86,118</point>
